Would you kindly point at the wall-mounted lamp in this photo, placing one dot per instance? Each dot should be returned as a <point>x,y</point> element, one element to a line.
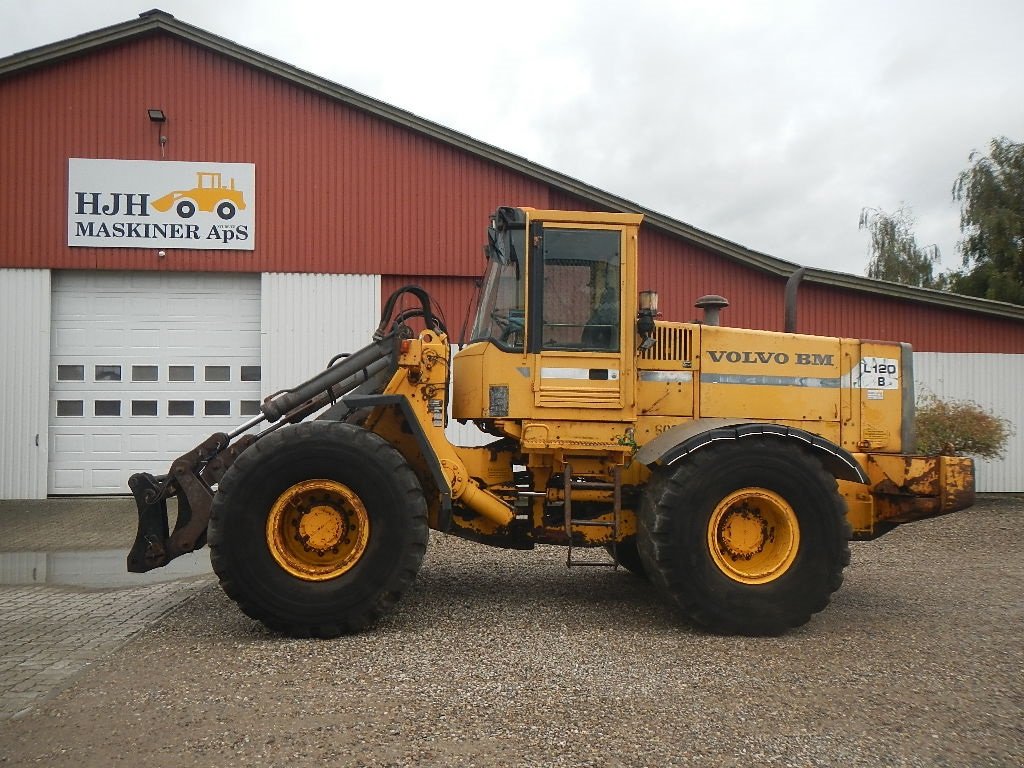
<point>158,118</point>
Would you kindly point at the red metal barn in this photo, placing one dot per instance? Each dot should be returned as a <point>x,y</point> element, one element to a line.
<point>129,336</point>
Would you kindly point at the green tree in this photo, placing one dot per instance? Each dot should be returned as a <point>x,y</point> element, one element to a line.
<point>991,197</point>
<point>895,254</point>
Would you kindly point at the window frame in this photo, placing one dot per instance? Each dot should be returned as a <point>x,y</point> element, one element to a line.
<point>535,287</point>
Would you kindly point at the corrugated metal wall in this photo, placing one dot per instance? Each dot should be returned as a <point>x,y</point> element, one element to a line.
<point>308,319</point>
<point>833,312</point>
<point>682,273</point>
<point>993,382</point>
<point>338,190</point>
<point>25,382</point>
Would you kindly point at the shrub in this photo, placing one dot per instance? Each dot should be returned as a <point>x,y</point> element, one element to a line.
<point>955,427</point>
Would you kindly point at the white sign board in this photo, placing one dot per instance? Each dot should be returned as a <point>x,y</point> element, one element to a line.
<point>161,204</point>
<point>878,373</point>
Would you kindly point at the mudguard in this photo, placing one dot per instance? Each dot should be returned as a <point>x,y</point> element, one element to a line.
<point>682,440</point>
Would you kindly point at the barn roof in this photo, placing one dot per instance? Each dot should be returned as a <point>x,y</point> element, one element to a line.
<point>160,22</point>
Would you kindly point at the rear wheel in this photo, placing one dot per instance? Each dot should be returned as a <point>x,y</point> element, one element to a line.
<point>226,210</point>
<point>628,555</point>
<point>746,538</point>
<point>318,529</point>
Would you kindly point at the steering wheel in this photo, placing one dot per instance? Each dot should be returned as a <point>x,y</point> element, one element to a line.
<point>507,325</point>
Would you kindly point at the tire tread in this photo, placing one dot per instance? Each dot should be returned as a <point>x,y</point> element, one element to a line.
<point>407,491</point>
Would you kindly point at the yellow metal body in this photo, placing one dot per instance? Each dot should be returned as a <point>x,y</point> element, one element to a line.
<point>594,409</point>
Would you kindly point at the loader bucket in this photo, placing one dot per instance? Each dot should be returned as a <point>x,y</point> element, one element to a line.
<point>150,548</point>
<point>163,204</point>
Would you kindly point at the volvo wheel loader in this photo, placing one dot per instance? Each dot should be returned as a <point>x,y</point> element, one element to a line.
<point>730,467</point>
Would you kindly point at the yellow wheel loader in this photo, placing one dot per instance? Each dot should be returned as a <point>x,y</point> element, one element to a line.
<point>728,466</point>
<point>209,195</point>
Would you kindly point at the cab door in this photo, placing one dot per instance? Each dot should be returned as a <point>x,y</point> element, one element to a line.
<point>577,334</point>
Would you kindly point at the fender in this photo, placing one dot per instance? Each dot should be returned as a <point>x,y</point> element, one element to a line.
<point>354,402</point>
<point>684,439</point>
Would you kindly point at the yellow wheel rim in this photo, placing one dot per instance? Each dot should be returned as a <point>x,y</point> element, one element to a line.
<point>753,536</point>
<point>317,530</point>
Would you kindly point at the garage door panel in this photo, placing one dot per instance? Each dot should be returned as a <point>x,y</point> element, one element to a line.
<point>77,306</point>
<point>184,442</point>
<point>71,340</point>
<point>143,368</point>
<point>108,480</point>
<point>145,445</point>
<point>112,445</point>
<point>66,480</point>
<point>68,444</point>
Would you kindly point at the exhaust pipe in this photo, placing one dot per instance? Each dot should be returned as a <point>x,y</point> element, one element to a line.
<point>712,304</point>
<point>791,285</point>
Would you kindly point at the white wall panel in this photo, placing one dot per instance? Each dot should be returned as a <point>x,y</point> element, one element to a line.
<point>24,381</point>
<point>992,381</point>
<point>308,319</point>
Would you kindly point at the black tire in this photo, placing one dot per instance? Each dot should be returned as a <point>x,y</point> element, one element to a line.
<point>226,210</point>
<point>759,584</point>
<point>186,209</point>
<point>354,594</point>
<point>628,556</point>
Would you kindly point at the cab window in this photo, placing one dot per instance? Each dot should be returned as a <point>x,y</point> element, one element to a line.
<point>581,287</point>
<point>501,307</point>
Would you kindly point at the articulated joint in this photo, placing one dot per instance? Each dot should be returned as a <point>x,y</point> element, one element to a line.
<point>486,504</point>
<point>475,497</point>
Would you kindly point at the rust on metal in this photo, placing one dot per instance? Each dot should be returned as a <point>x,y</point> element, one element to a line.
<point>908,488</point>
<point>215,469</point>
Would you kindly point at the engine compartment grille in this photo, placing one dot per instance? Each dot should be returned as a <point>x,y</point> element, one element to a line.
<point>672,343</point>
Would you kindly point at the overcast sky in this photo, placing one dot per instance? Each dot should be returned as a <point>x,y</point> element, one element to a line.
<point>771,124</point>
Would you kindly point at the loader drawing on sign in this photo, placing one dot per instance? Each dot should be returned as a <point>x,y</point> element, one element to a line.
<point>728,466</point>
<point>209,195</point>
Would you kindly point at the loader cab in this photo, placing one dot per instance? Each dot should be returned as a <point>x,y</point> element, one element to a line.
<point>555,322</point>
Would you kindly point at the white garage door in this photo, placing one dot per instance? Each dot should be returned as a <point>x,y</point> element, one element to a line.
<point>145,366</point>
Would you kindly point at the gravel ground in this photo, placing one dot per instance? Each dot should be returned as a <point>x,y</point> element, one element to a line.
<point>507,658</point>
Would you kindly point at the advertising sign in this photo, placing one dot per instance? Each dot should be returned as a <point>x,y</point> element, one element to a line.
<point>161,204</point>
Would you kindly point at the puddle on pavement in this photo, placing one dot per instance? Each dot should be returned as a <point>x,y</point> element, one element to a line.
<point>96,569</point>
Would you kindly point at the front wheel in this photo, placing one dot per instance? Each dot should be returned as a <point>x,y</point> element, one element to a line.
<point>747,538</point>
<point>318,529</point>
